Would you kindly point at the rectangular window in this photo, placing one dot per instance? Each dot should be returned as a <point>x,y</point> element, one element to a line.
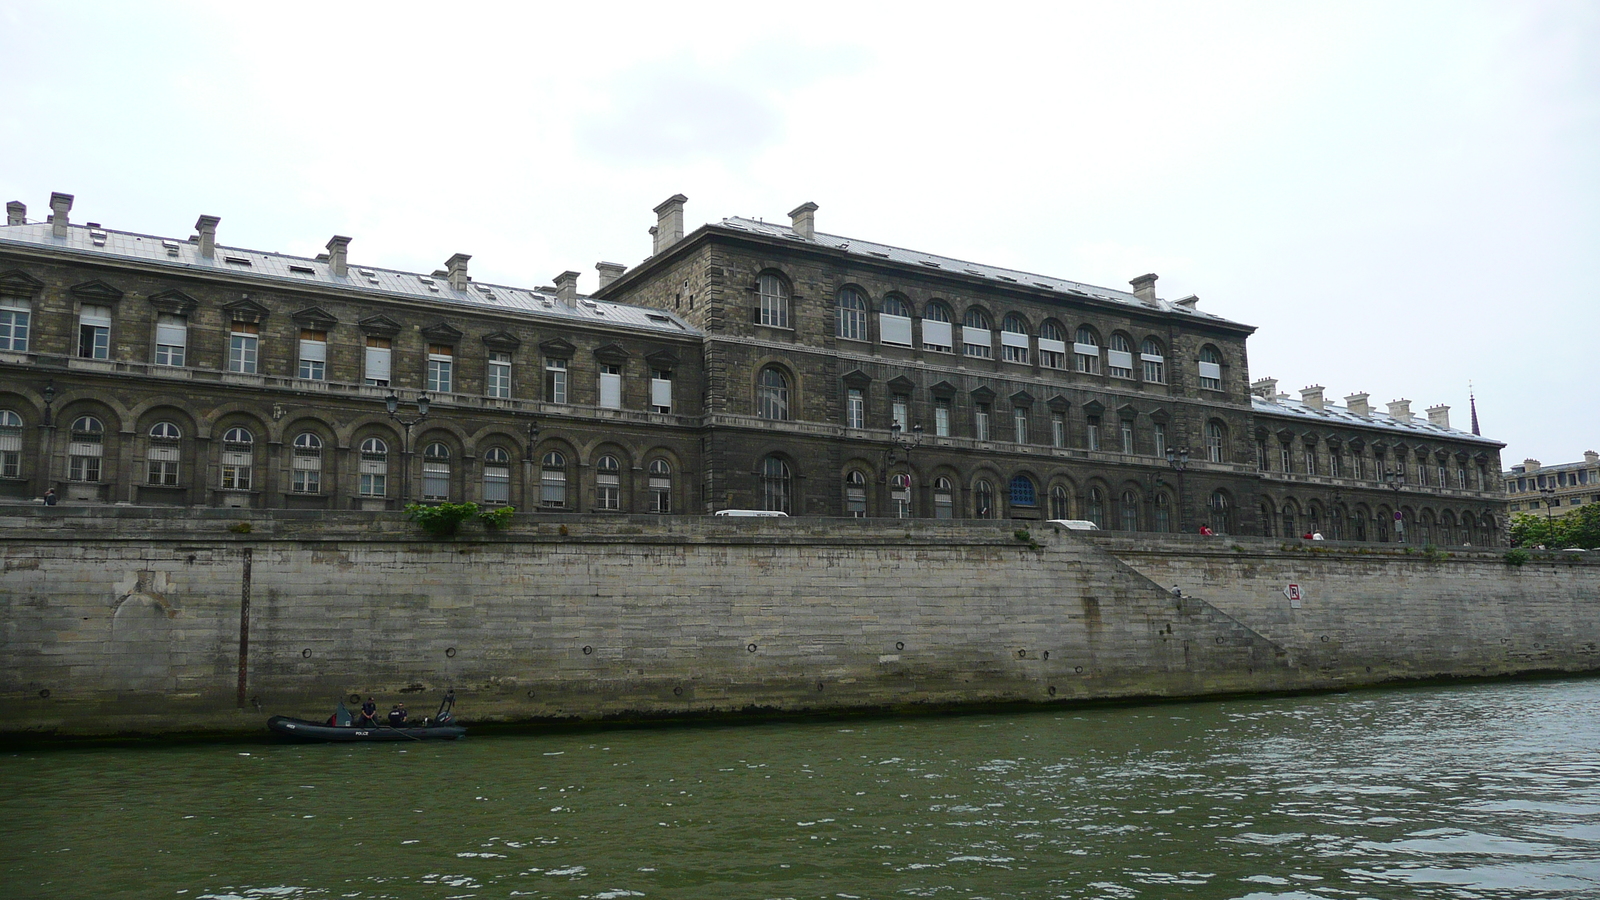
<point>608,490</point>
<point>941,416</point>
<point>1058,430</point>
<point>1335,467</point>
<point>1092,434</point>
<point>94,333</point>
<point>855,409</point>
<point>1019,424</point>
<point>83,458</point>
<point>1155,368</point>
<point>307,468</point>
<point>900,410</point>
<point>661,391</point>
<point>1120,362</point>
<point>976,342</point>
<point>1160,433</point>
<point>1087,358</point>
<point>1443,474</point>
<point>937,336</point>
<point>1283,458</point>
<point>244,342</point>
<point>555,381</point>
<point>162,460</point>
<point>1052,353</point>
<point>496,484</point>
<point>980,422</point>
<point>894,330</point>
<point>15,317</point>
<point>610,386</point>
<point>497,378</point>
<point>1211,375</point>
<point>11,450</point>
<point>378,352</point>
<point>172,339</point>
<point>661,493</point>
<point>1311,460</point>
<point>1014,346</point>
<point>1127,436</point>
<point>374,472</point>
<point>313,355</point>
<point>441,369</point>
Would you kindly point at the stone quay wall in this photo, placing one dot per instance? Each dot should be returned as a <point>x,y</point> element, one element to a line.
<point>141,620</point>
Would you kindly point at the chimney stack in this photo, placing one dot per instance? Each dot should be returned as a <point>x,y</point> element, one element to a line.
<point>456,271</point>
<point>609,272</point>
<point>804,219</point>
<point>1144,287</point>
<point>1591,457</point>
<point>567,288</point>
<point>1357,403</point>
<point>206,226</point>
<point>16,213</point>
<point>339,255</point>
<point>1530,466</point>
<point>1265,387</point>
<point>60,204</point>
<point>1439,415</point>
<point>1312,396</point>
<point>669,222</point>
<point>1400,409</point>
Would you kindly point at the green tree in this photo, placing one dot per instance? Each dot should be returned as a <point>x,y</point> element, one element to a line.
<point>1575,529</point>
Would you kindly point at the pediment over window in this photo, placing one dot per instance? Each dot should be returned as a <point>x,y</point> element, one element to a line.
<point>662,359</point>
<point>1059,403</point>
<point>611,354</point>
<point>983,395</point>
<point>1094,409</point>
<point>943,389</point>
<point>246,311</point>
<point>95,292</point>
<point>1286,435</point>
<point>379,326</point>
<point>1127,411</point>
<point>556,348</point>
<point>314,317</point>
<point>501,340</point>
<point>1356,445</point>
<point>1160,416</point>
<point>1021,398</point>
<point>442,333</point>
<point>176,303</point>
<point>20,284</point>
<point>856,378</point>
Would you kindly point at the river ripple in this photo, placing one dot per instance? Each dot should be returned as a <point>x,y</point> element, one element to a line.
<point>1487,791</point>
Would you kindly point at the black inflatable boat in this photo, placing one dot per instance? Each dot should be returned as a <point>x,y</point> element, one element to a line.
<point>303,730</point>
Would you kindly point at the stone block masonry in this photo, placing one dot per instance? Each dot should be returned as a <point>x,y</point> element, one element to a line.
<point>132,620</point>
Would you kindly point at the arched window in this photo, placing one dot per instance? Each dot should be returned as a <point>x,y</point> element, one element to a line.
<point>983,500</point>
<point>893,305</point>
<point>774,301</point>
<point>1022,492</point>
<point>776,485</point>
<point>306,464</point>
<point>1014,339</point>
<point>1128,511</point>
<point>374,468</point>
<point>1060,503</point>
<point>162,456</point>
<point>1163,513</point>
<point>86,449</point>
<point>553,481</point>
<point>1052,345</point>
<point>944,498</point>
<point>1216,441</point>
<point>607,483</point>
<point>852,315</point>
<point>1086,351</point>
<point>1119,357</point>
<point>1097,507</point>
<point>496,475</point>
<point>238,458</point>
<point>10,444</point>
<point>772,394</point>
<point>1210,369</point>
<point>1289,529</point>
<point>976,339</point>
<point>900,494</point>
<point>855,494</point>
<point>1155,362</point>
<point>1221,513</point>
<point>436,472</point>
<point>660,486</point>
<point>936,328</point>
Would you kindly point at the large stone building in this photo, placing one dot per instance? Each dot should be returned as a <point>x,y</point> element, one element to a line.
<point>1557,489</point>
<point>745,364</point>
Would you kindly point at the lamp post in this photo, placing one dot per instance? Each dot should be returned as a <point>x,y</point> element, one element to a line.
<point>392,404</point>
<point>533,438</point>
<point>49,400</point>
<point>1548,492</point>
<point>1396,481</point>
<point>1178,460</point>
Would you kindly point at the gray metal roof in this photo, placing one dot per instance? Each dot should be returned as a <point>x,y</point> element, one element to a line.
<point>1340,415</point>
<point>181,255</point>
<point>936,263</point>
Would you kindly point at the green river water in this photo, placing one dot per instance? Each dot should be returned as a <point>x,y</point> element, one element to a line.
<point>1479,791</point>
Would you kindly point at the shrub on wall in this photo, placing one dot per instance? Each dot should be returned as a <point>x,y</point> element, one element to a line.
<point>443,519</point>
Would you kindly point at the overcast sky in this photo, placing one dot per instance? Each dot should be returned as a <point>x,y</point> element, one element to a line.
<point>1402,197</point>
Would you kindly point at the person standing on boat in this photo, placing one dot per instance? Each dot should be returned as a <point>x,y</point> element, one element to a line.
<point>397,716</point>
<point>369,713</point>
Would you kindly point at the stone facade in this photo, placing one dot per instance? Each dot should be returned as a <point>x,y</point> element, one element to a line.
<point>1558,489</point>
<point>743,364</point>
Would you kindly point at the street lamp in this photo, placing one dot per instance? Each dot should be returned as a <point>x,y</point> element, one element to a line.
<point>392,404</point>
<point>1179,460</point>
<point>49,398</point>
<point>1395,480</point>
<point>1548,492</point>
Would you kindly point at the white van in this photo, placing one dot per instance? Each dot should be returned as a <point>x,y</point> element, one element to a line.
<point>752,512</point>
<point>1074,524</point>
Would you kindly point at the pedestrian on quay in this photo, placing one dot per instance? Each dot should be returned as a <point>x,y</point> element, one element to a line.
<point>49,496</point>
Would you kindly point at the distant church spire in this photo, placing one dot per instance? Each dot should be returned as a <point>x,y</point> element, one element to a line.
<point>1474,401</point>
